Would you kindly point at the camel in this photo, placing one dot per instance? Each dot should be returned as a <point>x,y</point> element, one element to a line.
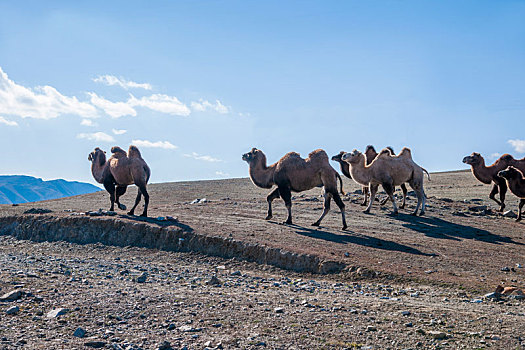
<point>293,173</point>
<point>370,154</point>
<point>389,171</point>
<point>516,182</point>
<point>120,171</point>
<point>489,174</point>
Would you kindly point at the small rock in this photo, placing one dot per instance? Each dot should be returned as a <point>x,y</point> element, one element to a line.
<point>38,211</point>
<point>505,269</point>
<point>495,337</point>
<point>165,346</point>
<point>57,312</point>
<point>437,334</point>
<point>79,332</point>
<point>278,310</point>
<point>371,329</point>
<point>142,278</point>
<point>12,310</point>
<point>518,266</point>
<point>405,313</point>
<point>11,296</point>
<point>214,281</point>
<point>510,214</point>
<point>236,273</point>
<point>186,329</point>
<point>95,344</point>
<point>420,331</point>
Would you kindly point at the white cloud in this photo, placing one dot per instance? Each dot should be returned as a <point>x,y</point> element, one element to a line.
<point>161,103</point>
<point>220,173</point>
<point>519,145</point>
<point>96,136</point>
<point>43,102</point>
<point>202,157</point>
<point>87,122</point>
<point>119,132</point>
<point>113,109</point>
<point>204,105</point>
<point>123,83</point>
<point>495,155</point>
<point>7,122</point>
<point>158,144</point>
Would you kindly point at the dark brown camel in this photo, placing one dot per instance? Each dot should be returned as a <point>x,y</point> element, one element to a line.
<point>516,182</point>
<point>489,174</point>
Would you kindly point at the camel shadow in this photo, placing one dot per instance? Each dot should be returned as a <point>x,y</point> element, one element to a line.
<point>442,229</point>
<point>349,237</point>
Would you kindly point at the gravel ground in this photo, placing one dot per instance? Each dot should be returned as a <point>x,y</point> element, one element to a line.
<point>133,298</point>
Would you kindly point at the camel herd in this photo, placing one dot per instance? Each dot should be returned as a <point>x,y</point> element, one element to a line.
<point>295,174</point>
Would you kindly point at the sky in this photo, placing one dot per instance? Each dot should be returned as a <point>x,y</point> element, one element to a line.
<point>195,84</point>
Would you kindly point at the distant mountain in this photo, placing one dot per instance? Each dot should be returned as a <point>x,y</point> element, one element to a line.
<point>22,189</point>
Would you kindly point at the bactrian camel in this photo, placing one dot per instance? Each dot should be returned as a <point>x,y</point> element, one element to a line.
<point>516,183</point>
<point>489,174</point>
<point>120,171</point>
<point>293,173</point>
<point>388,171</point>
<point>370,154</point>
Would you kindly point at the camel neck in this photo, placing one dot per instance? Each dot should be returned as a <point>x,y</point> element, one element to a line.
<point>483,173</point>
<point>345,169</point>
<point>262,175</point>
<point>98,171</point>
<point>360,172</point>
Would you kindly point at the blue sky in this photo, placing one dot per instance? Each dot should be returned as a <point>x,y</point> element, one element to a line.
<point>196,84</point>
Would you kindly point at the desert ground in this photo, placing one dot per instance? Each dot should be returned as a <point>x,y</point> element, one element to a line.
<point>405,282</point>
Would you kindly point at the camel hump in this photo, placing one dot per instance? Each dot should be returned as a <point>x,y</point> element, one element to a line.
<point>370,148</point>
<point>318,156</point>
<point>385,153</point>
<point>506,158</point>
<point>134,152</point>
<point>405,153</point>
<point>117,150</point>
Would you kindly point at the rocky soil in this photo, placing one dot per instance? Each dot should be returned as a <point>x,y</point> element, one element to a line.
<point>405,282</point>
<point>95,296</point>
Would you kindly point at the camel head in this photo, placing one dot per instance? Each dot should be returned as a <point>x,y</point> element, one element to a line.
<point>510,173</point>
<point>97,155</point>
<point>474,159</point>
<point>254,156</point>
<point>352,157</point>
<point>338,157</point>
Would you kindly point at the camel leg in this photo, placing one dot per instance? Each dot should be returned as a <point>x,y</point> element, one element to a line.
<point>373,191</point>
<point>286,195</point>
<point>492,195</point>
<point>522,202</point>
<point>119,192</point>
<point>420,193</point>
<point>389,189</point>
<point>145,193</point>
<point>405,191</point>
<point>110,187</point>
<point>326,207</point>
<point>423,201</point>
<point>502,191</point>
<point>273,195</point>
<point>137,201</point>
<point>341,205</point>
<point>365,195</point>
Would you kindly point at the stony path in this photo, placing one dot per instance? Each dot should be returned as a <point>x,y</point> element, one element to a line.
<point>132,298</point>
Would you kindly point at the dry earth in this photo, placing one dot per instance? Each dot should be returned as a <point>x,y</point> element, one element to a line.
<point>405,277</point>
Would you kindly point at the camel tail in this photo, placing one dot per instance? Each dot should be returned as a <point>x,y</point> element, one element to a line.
<point>341,182</point>
<point>148,172</point>
<point>428,175</point>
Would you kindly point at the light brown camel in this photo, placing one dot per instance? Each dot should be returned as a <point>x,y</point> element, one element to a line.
<point>370,154</point>
<point>516,183</point>
<point>120,171</point>
<point>488,174</point>
<point>293,173</point>
<point>388,171</point>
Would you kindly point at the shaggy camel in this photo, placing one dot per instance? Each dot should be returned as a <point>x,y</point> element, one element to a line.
<point>370,154</point>
<point>516,183</point>
<point>488,174</point>
<point>293,173</point>
<point>120,171</point>
<point>388,171</point>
